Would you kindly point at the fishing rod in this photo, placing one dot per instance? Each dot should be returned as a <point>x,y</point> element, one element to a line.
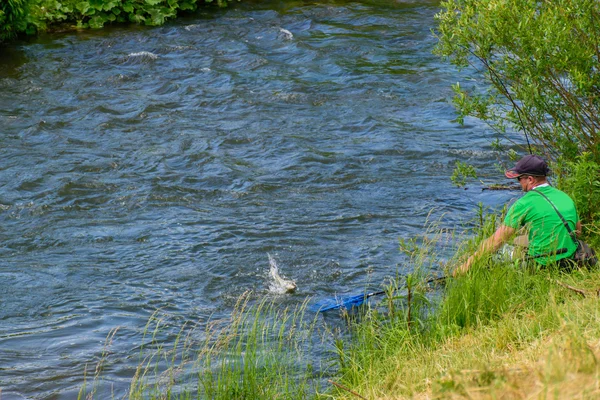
<point>356,300</point>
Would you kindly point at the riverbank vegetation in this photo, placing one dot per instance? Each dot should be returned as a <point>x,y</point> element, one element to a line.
<point>32,16</point>
<point>505,330</point>
<point>527,350</point>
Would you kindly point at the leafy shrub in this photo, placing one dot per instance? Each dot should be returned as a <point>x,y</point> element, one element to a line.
<point>461,173</point>
<point>97,13</point>
<point>13,18</point>
<point>580,178</point>
<point>541,59</point>
<point>29,16</point>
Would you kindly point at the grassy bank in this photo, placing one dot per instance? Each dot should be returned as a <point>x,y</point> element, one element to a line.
<point>507,329</point>
<point>500,332</point>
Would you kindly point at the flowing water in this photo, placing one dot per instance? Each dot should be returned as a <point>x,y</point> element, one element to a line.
<point>146,168</point>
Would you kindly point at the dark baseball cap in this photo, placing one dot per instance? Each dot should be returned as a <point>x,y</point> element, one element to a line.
<point>528,165</point>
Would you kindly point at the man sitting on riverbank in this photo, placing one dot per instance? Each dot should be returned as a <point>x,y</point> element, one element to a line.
<point>548,238</point>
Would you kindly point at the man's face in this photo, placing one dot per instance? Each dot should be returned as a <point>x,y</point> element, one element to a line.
<point>525,182</point>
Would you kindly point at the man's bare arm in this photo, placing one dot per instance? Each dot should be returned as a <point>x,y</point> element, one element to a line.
<point>489,245</point>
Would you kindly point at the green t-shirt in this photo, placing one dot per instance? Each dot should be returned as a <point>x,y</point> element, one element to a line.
<point>547,233</point>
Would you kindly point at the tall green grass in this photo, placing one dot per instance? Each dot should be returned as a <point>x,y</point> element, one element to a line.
<point>462,341</point>
<point>261,352</point>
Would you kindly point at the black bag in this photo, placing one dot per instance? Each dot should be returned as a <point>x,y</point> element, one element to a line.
<point>584,256</point>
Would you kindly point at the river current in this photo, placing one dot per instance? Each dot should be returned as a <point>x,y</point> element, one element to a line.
<point>155,168</point>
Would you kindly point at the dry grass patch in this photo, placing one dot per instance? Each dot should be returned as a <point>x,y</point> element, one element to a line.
<point>560,364</point>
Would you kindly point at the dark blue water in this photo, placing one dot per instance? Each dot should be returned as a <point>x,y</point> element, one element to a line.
<point>147,168</point>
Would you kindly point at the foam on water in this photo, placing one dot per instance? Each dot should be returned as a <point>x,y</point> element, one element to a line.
<point>287,35</point>
<point>144,55</point>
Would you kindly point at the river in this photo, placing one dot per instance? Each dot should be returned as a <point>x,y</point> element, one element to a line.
<point>154,168</point>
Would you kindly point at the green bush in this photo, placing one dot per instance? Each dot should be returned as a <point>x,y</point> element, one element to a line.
<point>581,179</point>
<point>97,13</point>
<point>30,16</point>
<point>541,59</point>
<point>13,18</point>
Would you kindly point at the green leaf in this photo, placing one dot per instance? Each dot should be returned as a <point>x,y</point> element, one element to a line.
<point>83,7</point>
<point>31,30</point>
<point>96,4</point>
<point>110,5</point>
<point>127,7</point>
<point>462,172</point>
<point>187,5</point>
<point>153,2</point>
<point>159,15</point>
<point>97,21</point>
<point>67,9</point>
<point>137,18</point>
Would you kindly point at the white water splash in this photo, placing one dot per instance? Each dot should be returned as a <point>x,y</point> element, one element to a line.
<point>279,284</point>
<point>287,35</point>
<point>145,54</point>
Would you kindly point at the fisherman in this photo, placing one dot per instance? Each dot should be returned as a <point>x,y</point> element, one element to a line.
<point>548,240</point>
